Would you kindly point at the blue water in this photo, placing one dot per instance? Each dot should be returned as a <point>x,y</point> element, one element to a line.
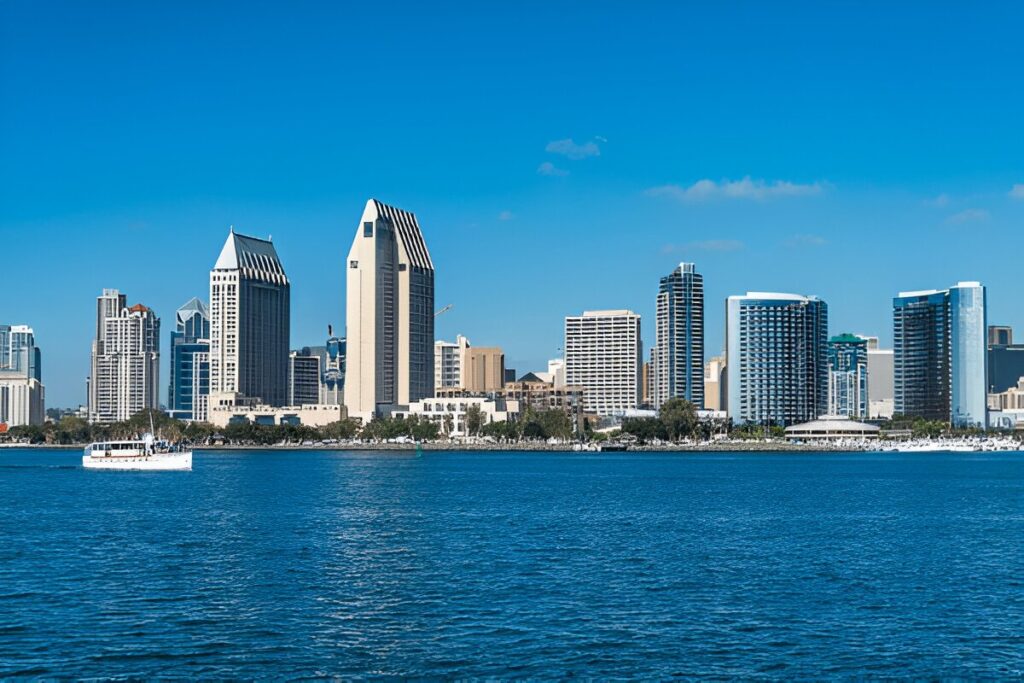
<point>304,564</point>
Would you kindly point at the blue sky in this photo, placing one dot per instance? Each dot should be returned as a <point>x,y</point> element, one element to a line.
<point>848,151</point>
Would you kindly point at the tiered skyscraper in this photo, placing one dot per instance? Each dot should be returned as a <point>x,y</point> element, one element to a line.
<point>189,391</point>
<point>389,313</point>
<point>250,302</point>
<point>940,355</point>
<point>678,355</point>
<point>777,368</point>
<point>125,372</point>
<point>22,395</point>
<point>603,354</point>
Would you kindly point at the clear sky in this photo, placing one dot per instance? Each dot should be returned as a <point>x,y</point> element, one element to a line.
<point>560,156</point>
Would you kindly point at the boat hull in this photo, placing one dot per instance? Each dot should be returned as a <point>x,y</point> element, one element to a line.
<point>160,461</point>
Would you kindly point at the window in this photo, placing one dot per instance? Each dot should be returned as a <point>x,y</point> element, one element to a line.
<point>368,229</point>
<point>353,264</point>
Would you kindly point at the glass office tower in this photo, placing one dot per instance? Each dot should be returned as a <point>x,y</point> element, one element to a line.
<point>677,366</point>
<point>189,390</point>
<point>848,376</point>
<point>939,354</point>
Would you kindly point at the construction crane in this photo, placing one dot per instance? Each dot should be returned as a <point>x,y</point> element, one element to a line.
<point>444,310</point>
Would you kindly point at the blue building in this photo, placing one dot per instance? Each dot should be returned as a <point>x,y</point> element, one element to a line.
<point>677,358</point>
<point>848,376</point>
<point>188,395</point>
<point>776,360</point>
<point>940,355</point>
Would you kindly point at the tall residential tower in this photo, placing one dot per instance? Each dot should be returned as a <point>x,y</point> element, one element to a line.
<point>603,354</point>
<point>389,313</point>
<point>125,373</point>
<point>777,367</point>
<point>678,355</point>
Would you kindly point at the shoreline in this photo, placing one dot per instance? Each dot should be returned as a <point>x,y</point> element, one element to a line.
<point>708,447</point>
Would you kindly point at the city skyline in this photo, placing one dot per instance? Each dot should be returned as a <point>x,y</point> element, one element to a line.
<point>768,179</point>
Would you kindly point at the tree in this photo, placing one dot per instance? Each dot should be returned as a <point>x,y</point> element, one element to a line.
<point>679,418</point>
<point>449,424</point>
<point>474,420</point>
<point>342,429</point>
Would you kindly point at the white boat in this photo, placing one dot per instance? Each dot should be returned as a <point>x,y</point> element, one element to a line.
<point>146,453</point>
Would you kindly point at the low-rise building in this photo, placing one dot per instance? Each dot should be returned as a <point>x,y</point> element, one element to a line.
<point>228,409</point>
<point>449,412</point>
<point>832,428</point>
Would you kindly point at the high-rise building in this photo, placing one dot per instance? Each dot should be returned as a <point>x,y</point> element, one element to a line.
<point>777,366</point>
<point>124,377</point>
<point>603,354</point>
<point>483,370</point>
<point>848,376</point>
<point>678,354</point>
<point>1000,335</point>
<point>389,313</point>
<point>940,354</point>
<point>333,382</point>
<point>448,359</point>
<point>556,368</point>
<point>22,394</point>
<point>714,384</point>
<point>305,374</point>
<point>250,302</point>
<point>189,391</point>
<point>1005,360</point>
<point>881,396</point>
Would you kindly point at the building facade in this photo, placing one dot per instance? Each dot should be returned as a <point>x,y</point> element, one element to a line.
<point>776,360</point>
<point>189,390</point>
<point>124,376</point>
<point>449,412</point>
<point>848,376</point>
<point>250,299</point>
<point>389,313</point>
<point>22,394</point>
<point>1005,360</point>
<point>603,354</point>
<point>483,370</point>
<point>714,384</point>
<point>448,357</point>
<point>678,353</point>
<point>940,355</point>
<point>304,376</point>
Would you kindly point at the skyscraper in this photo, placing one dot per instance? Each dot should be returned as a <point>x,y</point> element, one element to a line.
<point>848,376</point>
<point>305,375</point>
<point>189,390</point>
<point>249,321</point>
<point>22,395</point>
<point>940,360</point>
<point>389,313</point>
<point>125,371</point>
<point>777,368</point>
<point>678,369</point>
<point>603,354</point>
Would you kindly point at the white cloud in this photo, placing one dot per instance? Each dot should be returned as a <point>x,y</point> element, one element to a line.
<point>940,201</point>
<point>1017,191</point>
<point>968,216</point>
<point>505,216</point>
<point>570,149</point>
<point>806,241</point>
<point>747,188</point>
<point>705,245</point>
<point>548,168</point>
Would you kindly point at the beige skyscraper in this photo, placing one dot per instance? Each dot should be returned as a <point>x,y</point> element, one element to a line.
<point>389,313</point>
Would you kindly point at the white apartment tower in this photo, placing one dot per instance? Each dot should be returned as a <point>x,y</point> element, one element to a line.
<point>249,322</point>
<point>603,355</point>
<point>124,377</point>
<point>389,313</point>
<point>449,358</point>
